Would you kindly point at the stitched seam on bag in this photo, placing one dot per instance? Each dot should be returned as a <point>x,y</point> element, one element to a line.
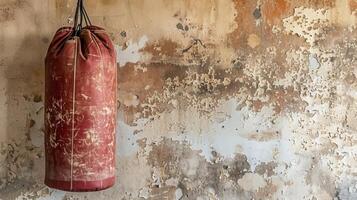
<point>73,107</point>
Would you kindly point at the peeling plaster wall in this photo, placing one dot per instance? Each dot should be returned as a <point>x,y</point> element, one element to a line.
<point>219,99</point>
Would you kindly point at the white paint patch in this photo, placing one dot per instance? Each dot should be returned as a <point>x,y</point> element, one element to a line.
<point>307,23</point>
<point>313,62</point>
<point>144,193</point>
<point>251,182</point>
<point>232,136</point>
<point>54,195</point>
<point>131,54</point>
<point>227,136</point>
<point>125,140</point>
<point>178,194</point>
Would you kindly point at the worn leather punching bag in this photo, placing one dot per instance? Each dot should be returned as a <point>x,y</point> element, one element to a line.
<point>80,107</point>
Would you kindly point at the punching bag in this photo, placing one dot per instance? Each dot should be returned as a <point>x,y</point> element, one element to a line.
<point>80,107</point>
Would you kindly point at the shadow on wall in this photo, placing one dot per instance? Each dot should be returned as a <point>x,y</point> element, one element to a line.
<point>24,105</point>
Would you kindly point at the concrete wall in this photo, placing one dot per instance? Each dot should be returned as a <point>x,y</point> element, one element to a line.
<point>219,99</point>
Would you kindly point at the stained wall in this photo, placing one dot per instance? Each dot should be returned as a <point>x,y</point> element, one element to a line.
<point>218,99</point>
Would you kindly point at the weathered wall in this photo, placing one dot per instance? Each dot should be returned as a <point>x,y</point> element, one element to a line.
<point>219,99</point>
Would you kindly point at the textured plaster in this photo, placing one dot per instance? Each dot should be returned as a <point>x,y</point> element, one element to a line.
<point>218,99</point>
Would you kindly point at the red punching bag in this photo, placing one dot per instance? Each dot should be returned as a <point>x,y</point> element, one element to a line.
<point>80,108</point>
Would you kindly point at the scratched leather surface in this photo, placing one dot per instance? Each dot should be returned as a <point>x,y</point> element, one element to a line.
<point>80,110</point>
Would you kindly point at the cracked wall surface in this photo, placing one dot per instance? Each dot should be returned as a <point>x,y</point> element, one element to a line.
<point>218,99</point>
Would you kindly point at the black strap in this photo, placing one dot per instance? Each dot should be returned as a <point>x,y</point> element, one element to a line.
<point>80,14</point>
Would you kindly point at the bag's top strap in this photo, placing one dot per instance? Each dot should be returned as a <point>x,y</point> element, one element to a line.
<point>80,14</point>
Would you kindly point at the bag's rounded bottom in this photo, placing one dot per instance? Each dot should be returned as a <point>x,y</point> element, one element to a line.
<point>81,186</point>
